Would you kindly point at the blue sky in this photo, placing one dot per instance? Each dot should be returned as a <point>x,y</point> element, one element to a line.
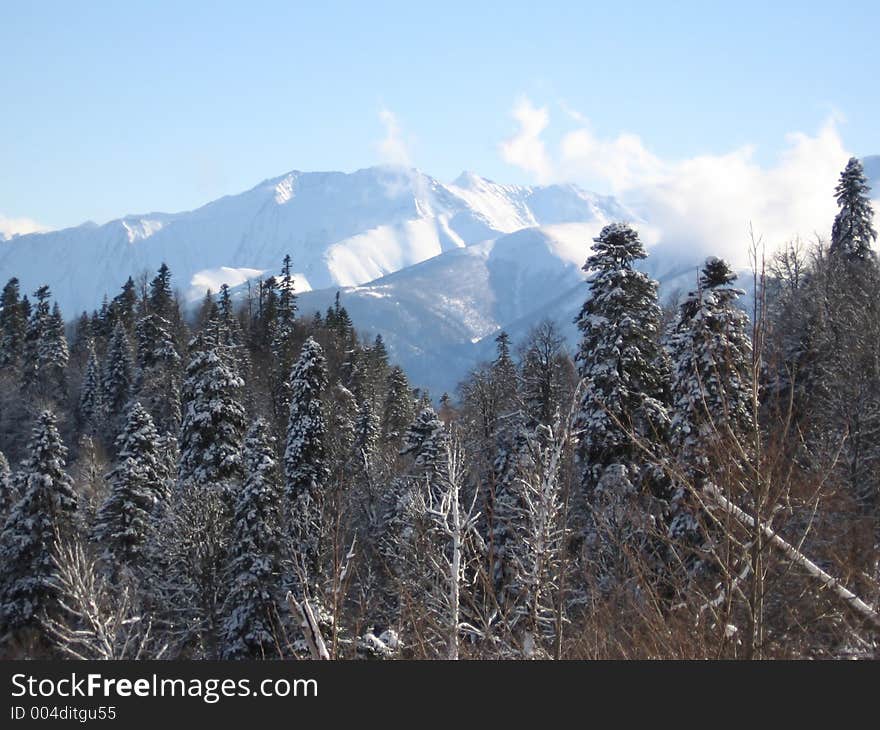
<point>111,108</point>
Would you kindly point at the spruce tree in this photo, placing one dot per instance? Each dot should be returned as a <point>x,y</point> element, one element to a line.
<point>253,571</point>
<point>305,465</point>
<point>138,482</point>
<point>117,379</point>
<point>425,440</point>
<point>619,358</point>
<point>13,325</point>
<point>621,366</point>
<point>121,310</point>
<point>712,408</point>
<point>283,341</point>
<point>398,408</point>
<point>44,514</point>
<point>158,371</point>
<point>853,233</point>
<point>7,493</point>
<point>161,297</point>
<point>214,421</point>
<point>90,405</point>
<point>46,353</point>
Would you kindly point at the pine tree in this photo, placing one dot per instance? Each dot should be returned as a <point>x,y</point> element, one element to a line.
<point>711,355</point>
<point>214,419</point>
<point>426,440</point>
<point>7,492</point>
<point>46,352</point>
<point>13,325</point>
<point>118,376</point>
<point>253,571</point>
<point>158,370</point>
<point>305,466</point>
<point>42,516</point>
<point>91,404</point>
<point>283,340</point>
<point>122,309</point>
<point>138,482</point>
<point>621,366</point>
<point>504,376</point>
<point>619,358</point>
<point>853,231</point>
<point>398,411</point>
<point>161,298</point>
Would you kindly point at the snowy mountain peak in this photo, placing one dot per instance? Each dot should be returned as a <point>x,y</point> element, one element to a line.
<point>341,229</point>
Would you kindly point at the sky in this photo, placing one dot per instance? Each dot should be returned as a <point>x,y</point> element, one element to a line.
<point>680,108</point>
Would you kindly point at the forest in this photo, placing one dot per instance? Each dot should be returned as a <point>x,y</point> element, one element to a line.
<point>699,478</point>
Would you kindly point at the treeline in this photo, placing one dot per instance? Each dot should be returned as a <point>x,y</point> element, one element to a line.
<point>257,482</point>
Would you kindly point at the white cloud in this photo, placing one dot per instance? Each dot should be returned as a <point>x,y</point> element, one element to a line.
<point>703,204</point>
<point>526,149</point>
<point>10,227</point>
<point>394,149</point>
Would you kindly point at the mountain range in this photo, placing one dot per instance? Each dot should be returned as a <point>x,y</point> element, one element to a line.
<point>438,269</point>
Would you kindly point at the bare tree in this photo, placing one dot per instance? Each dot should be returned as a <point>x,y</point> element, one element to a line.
<point>96,621</point>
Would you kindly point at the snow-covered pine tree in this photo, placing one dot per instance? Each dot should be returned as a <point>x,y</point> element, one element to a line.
<point>117,379</point>
<point>44,514</point>
<point>619,358</point>
<point>398,408</point>
<point>305,465</point>
<point>122,309</point>
<point>13,325</point>
<point>253,572</point>
<point>621,366</point>
<point>90,407</point>
<point>161,298</point>
<point>853,232</point>
<point>505,377</point>
<point>158,370</point>
<point>8,496</point>
<point>46,352</point>
<point>283,341</point>
<point>138,482</point>
<point>426,440</point>
<point>214,421</point>
<point>712,396</point>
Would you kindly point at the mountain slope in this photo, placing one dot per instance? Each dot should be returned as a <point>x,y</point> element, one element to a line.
<point>340,229</point>
<point>440,317</point>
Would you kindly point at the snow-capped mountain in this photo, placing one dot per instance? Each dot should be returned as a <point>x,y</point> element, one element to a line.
<point>341,230</point>
<point>441,317</point>
<point>438,269</point>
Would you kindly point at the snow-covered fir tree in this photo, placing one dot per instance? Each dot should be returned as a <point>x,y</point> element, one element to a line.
<point>622,370</point>
<point>305,466</point>
<point>158,374</point>
<point>137,483</point>
<point>426,440</point>
<point>619,358</point>
<point>712,407</point>
<point>397,413</point>
<point>13,325</point>
<point>7,493</point>
<point>46,351</point>
<point>117,378</point>
<point>90,407</point>
<point>251,609</point>
<point>853,233</point>
<point>43,515</point>
<point>283,341</point>
<point>214,419</point>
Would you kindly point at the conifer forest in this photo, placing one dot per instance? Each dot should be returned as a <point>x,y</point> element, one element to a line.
<point>698,478</point>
